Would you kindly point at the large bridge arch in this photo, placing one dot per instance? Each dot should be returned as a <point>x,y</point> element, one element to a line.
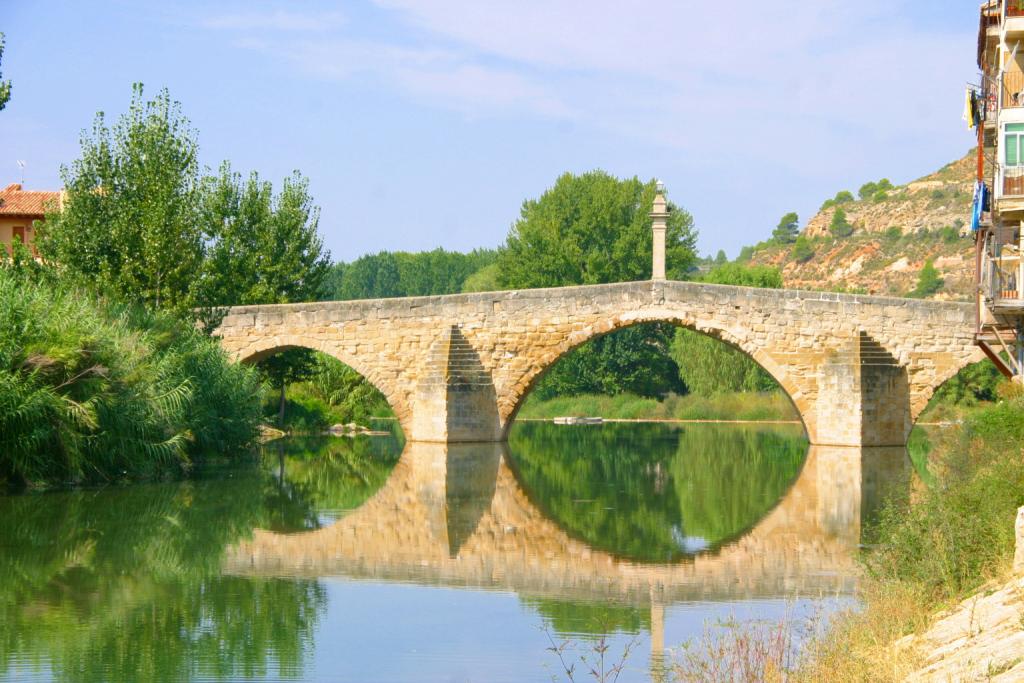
<point>522,386</point>
<point>268,346</point>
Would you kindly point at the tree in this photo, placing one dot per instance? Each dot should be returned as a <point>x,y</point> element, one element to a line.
<point>5,86</point>
<point>928,281</point>
<point>787,230</point>
<point>265,249</point>
<point>721,258</point>
<point>802,249</point>
<point>589,229</point>
<point>708,366</point>
<point>842,197</point>
<point>129,220</point>
<point>840,227</point>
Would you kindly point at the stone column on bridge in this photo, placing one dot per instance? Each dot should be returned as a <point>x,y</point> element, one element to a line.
<point>659,216</point>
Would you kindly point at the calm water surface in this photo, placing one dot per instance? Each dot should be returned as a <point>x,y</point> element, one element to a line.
<point>361,560</point>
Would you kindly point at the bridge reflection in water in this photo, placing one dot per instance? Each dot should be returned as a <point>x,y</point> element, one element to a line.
<point>456,515</point>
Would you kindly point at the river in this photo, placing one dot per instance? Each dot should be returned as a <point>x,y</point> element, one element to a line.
<point>372,560</point>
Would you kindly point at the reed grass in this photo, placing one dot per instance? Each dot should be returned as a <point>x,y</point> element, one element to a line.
<point>94,390</point>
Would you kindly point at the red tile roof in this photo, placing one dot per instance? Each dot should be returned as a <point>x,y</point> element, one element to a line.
<point>17,202</point>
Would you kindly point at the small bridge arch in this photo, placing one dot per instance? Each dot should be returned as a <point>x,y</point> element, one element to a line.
<point>269,346</point>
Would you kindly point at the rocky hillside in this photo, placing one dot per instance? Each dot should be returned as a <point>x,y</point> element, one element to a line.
<point>894,232</point>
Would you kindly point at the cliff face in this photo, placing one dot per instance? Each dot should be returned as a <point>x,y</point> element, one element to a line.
<point>894,234</point>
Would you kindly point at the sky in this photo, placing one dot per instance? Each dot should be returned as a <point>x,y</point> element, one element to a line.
<point>427,123</point>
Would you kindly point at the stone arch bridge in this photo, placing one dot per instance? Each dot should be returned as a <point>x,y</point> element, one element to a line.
<point>859,369</point>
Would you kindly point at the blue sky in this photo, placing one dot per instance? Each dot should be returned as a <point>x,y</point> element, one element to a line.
<point>425,124</point>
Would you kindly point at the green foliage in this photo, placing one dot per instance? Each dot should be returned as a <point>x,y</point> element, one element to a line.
<point>744,276</point>
<point>590,229</point>
<point>874,191</point>
<point>350,395</point>
<point>959,533</point>
<point>893,233</point>
<point>721,258</point>
<point>928,281</point>
<point>483,280</point>
<point>633,360</point>
<point>802,250</point>
<point>706,365</point>
<point>842,197</point>
<point>395,274</point>
<point>129,221</point>
<point>655,493</point>
<point>787,230</point>
<point>840,227</point>
<point>5,86</point>
<point>264,248</point>
<point>746,253</point>
<point>93,391</point>
<point>949,234</point>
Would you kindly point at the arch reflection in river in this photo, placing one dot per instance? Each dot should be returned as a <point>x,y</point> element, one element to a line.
<point>658,493</point>
<point>458,515</point>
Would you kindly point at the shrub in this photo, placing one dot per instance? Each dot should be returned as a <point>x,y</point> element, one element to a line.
<point>839,226</point>
<point>92,390</point>
<point>893,233</point>
<point>928,281</point>
<point>949,234</point>
<point>842,197</point>
<point>802,250</point>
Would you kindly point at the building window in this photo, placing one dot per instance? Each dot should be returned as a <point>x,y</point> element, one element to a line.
<point>1014,144</point>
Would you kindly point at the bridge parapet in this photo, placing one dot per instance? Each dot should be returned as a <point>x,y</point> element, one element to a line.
<point>859,369</point>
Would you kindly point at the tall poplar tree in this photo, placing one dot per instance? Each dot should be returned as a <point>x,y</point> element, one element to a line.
<point>129,219</point>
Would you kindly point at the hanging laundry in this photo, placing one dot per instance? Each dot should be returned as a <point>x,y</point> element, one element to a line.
<point>980,203</point>
<point>968,115</point>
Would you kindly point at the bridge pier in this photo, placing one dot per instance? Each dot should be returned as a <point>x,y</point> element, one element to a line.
<point>863,397</point>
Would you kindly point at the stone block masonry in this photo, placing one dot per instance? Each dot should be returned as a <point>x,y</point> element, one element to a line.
<point>859,369</point>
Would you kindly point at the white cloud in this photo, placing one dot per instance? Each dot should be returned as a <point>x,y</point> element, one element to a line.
<point>805,86</point>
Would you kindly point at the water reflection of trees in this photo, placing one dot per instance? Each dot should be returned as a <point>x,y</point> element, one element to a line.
<point>655,493</point>
<point>125,584</point>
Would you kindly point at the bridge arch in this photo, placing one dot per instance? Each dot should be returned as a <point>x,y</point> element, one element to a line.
<point>265,347</point>
<point>923,399</point>
<point>740,340</point>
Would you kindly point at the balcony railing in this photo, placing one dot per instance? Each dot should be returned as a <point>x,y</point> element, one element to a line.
<point>1013,181</point>
<point>1002,271</point>
<point>1013,88</point>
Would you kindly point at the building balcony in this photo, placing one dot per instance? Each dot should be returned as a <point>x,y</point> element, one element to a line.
<point>1013,89</point>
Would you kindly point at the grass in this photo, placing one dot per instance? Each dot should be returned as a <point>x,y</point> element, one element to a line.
<point>738,406</point>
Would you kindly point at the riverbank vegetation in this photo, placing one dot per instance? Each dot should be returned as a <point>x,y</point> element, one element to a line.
<point>744,406</point>
<point>107,369</point>
<point>954,538</point>
<point>957,536</point>
<point>94,390</point>
<point>330,393</point>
